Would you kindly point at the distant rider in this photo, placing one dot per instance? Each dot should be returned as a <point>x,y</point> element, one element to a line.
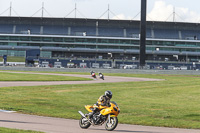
<point>93,74</point>
<point>101,75</point>
<point>103,100</point>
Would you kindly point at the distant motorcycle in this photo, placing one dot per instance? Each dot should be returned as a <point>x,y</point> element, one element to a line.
<point>93,74</point>
<point>101,76</point>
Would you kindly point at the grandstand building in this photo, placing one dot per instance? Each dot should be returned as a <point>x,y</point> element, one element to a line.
<point>101,42</point>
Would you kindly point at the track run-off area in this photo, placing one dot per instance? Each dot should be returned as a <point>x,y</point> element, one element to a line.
<point>60,125</point>
<point>108,79</point>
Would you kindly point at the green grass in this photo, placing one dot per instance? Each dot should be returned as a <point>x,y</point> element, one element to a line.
<point>81,73</point>
<point>4,76</point>
<point>14,59</point>
<point>173,102</point>
<point>6,130</point>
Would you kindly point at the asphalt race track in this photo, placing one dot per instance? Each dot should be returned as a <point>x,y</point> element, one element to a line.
<point>58,125</point>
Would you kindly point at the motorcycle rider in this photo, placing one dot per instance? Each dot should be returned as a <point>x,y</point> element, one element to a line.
<point>100,74</point>
<point>93,74</point>
<point>103,100</point>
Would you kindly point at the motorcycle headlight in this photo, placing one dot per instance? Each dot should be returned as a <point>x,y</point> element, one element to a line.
<point>114,108</point>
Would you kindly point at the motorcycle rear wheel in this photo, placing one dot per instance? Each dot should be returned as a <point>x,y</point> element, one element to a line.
<point>112,125</point>
<point>84,123</point>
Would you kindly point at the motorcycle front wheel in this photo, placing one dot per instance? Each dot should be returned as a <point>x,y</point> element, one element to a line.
<point>112,124</point>
<point>84,123</point>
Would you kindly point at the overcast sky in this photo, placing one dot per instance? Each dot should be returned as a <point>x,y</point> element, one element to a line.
<point>157,10</point>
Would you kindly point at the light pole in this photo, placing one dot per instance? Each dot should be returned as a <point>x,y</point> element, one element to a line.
<point>143,34</point>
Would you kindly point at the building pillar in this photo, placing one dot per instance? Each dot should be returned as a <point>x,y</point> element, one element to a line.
<point>69,30</point>
<point>97,28</point>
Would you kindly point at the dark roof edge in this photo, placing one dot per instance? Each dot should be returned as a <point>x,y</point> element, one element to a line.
<point>57,18</point>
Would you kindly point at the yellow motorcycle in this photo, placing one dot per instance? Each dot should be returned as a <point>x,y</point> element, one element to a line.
<point>104,114</point>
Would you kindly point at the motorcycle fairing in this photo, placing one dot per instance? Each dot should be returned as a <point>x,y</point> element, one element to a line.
<point>89,108</point>
<point>113,110</point>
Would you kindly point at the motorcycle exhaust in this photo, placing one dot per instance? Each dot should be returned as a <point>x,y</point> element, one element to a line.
<point>81,113</point>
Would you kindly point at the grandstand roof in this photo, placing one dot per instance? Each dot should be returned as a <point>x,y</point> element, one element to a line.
<point>101,23</point>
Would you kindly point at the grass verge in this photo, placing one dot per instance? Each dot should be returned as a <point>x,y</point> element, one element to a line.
<point>14,59</point>
<point>4,76</point>
<point>173,102</point>
<point>7,130</point>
